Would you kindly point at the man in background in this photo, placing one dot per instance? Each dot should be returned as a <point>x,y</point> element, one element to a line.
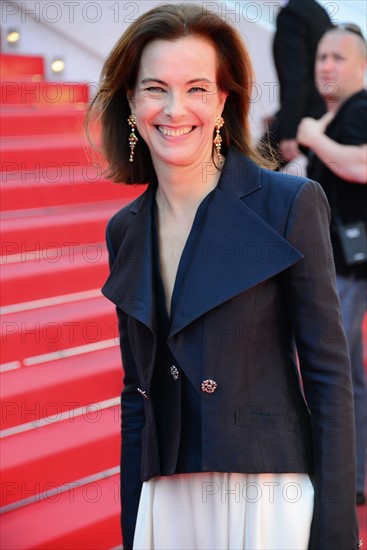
<point>338,161</point>
<point>299,27</point>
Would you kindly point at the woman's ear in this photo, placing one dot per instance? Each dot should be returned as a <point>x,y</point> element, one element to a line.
<point>222,99</point>
<point>130,98</point>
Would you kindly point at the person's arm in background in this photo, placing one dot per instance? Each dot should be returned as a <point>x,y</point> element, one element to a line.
<point>349,162</point>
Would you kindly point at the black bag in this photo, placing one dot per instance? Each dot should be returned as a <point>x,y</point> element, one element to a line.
<point>353,241</point>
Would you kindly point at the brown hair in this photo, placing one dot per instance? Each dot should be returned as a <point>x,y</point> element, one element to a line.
<point>119,74</point>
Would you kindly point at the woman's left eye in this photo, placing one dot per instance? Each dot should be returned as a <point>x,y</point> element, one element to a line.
<point>197,89</point>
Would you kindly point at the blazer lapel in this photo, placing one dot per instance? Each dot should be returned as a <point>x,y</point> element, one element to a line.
<point>130,284</point>
<point>234,251</point>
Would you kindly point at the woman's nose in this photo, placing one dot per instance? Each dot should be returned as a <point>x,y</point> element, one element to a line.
<point>175,106</point>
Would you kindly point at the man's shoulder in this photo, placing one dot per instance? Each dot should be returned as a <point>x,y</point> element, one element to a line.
<point>356,103</point>
<point>349,125</point>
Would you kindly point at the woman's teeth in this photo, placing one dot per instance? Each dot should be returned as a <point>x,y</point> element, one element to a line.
<point>175,132</point>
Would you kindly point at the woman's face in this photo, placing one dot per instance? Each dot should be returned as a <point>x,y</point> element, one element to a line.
<point>176,100</point>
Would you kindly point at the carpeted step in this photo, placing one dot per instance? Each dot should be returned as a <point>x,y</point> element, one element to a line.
<point>55,186</point>
<point>54,273</point>
<point>56,228</point>
<point>36,121</point>
<point>16,66</point>
<point>39,153</point>
<point>47,390</point>
<point>51,329</point>
<point>87,517</point>
<point>59,452</point>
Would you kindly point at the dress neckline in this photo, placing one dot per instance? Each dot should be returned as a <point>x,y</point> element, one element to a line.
<point>184,261</point>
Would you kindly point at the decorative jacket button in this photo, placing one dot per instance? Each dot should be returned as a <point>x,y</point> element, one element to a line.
<point>143,393</point>
<point>174,372</point>
<point>209,386</point>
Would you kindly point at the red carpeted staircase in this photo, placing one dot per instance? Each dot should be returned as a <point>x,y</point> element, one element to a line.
<point>60,365</point>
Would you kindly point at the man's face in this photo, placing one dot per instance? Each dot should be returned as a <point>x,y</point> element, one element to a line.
<point>340,65</point>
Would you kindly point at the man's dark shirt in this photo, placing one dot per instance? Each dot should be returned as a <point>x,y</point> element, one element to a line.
<point>347,199</point>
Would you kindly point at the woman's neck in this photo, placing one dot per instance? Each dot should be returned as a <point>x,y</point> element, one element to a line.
<point>181,189</point>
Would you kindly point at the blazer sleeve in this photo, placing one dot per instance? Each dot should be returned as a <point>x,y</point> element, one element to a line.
<point>132,422</point>
<point>314,308</point>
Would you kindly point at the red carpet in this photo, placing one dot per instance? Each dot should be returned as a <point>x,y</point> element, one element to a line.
<point>61,372</point>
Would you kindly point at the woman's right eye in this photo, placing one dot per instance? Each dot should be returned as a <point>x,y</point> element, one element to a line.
<point>154,90</point>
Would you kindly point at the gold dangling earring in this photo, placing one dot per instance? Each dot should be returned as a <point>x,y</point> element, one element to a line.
<point>133,139</point>
<point>219,123</point>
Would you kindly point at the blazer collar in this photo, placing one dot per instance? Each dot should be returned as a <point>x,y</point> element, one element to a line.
<point>130,284</point>
<point>240,175</point>
<point>235,250</point>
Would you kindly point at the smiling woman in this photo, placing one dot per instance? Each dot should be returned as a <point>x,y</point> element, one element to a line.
<point>176,105</point>
<point>119,81</point>
<point>215,278</point>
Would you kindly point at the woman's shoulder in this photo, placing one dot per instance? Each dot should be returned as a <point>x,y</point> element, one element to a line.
<point>251,177</point>
<point>282,187</point>
<point>281,190</point>
<point>278,193</point>
<point>118,225</point>
<point>283,180</point>
<point>122,218</point>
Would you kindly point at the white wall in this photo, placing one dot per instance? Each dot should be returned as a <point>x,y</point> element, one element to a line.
<point>82,32</point>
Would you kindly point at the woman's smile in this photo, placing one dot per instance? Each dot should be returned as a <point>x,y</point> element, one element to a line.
<point>175,132</point>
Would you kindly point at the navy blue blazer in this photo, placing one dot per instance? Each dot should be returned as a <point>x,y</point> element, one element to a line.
<point>260,289</point>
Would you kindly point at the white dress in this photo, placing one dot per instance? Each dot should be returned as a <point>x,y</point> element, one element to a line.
<point>225,511</point>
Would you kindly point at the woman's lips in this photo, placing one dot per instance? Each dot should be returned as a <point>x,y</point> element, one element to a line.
<point>175,132</point>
